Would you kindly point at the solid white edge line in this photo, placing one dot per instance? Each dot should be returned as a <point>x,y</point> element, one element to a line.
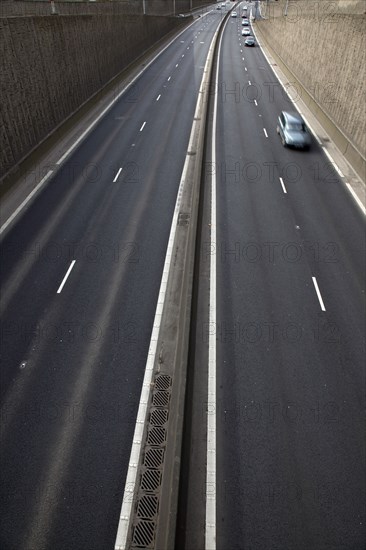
<point>117,175</point>
<point>143,126</point>
<point>283,186</point>
<point>359,203</point>
<point>66,276</point>
<point>26,200</point>
<point>318,294</point>
<point>330,158</point>
<point>126,508</point>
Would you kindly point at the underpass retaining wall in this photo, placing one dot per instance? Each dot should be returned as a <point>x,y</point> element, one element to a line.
<point>101,7</point>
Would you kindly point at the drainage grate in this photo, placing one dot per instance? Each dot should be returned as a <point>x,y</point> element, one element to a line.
<point>143,534</point>
<point>150,480</point>
<point>154,458</point>
<point>156,436</point>
<point>158,417</point>
<point>163,382</point>
<point>147,507</point>
<point>161,399</point>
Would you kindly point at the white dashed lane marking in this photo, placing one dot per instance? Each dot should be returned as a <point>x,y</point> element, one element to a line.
<point>117,175</point>
<point>66,276</point>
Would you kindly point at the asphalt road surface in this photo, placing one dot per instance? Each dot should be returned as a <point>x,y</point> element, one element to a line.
<point>290,360</point>
<point>80,276</point>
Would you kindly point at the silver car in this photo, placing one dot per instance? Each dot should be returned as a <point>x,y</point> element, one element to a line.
<point>293,131</point>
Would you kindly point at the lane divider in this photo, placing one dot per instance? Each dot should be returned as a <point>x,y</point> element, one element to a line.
<point>66,277</point>
<point>322,306</point>
<point>117,175</point>
<point>283,185</point>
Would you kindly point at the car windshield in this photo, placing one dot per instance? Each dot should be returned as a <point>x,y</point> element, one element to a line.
<point>296,126</point>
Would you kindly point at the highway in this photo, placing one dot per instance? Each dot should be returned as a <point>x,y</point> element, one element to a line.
<point>290,328</point>
<point>81,270</point>
<point>286,318</point>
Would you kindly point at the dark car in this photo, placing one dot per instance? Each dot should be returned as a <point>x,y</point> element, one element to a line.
<point>293,131</point>
<point>250,41</point>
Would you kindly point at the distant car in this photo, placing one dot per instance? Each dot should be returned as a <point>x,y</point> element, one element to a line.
<point>218,7</point>
<point>250,41</point>
<point>244,16</point>
<point>234,14</point>
<point>245,23</point>
<point>292,130</point>
<point>245,8</point>
<point>245,32</point>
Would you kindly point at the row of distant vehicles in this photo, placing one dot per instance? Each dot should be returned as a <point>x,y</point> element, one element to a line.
<point>291,126</point>
<point>249,41</point>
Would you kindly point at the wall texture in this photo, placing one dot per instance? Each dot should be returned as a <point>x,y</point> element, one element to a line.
<point>50,65</point>
<point>101,7</point>
<point>326,51</point>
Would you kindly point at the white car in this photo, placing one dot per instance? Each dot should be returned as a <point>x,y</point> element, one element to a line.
<point>234,14</point>
<point>245,32</point>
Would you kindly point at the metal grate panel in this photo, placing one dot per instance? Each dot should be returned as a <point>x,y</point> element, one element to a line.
<point>143,534</point>
<point>150,480</point>
<point>147,507</point>
<point>158,417</point>
<point>156,436</point>
<point>161,399</point>
<point>163,382</point>
<point>154,458</point>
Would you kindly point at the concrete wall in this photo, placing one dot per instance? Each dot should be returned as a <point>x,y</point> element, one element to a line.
<point>50,66</point>
<point>325,50</point>
<point>101,7</point>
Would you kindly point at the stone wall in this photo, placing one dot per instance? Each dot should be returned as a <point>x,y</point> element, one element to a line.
<point>51,65</point>
<point>325,50</point>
